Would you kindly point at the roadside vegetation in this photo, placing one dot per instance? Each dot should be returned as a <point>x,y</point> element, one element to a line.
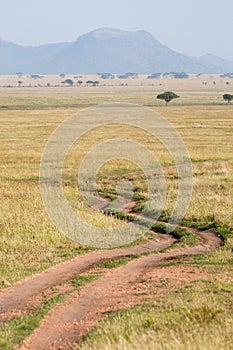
<point>30,242</point>
<point>198,313</point>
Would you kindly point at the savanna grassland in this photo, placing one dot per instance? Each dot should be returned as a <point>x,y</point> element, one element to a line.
<point>194,316</point>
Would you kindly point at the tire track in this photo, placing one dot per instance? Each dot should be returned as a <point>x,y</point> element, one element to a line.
<point>21,294</point>
<point>67,323</point>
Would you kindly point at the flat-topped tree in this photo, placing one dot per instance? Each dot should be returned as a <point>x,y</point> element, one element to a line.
<point>68,82</point>
<point>228,97</point>
<point>167,96</point>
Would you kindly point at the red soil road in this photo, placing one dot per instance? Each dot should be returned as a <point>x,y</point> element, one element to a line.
<point>115,290</point>
<point>66,323</point>
<point>19,295</point>
<point>23,293</point>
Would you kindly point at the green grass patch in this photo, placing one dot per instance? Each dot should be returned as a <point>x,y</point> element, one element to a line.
<point>110,264</point>
<point>81,281</point>
<point>209,223</point>
<point>14,331</point>
<point>184,236</point>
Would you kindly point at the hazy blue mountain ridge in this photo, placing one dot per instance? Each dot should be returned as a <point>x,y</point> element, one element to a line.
<point>105,50</point>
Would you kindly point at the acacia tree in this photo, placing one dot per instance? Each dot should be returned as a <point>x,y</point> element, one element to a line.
<point>68,82</point>
<point>228,97</point>
<point>167,96</point>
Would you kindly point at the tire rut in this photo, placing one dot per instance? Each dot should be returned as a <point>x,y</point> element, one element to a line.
<point>21,294</point>
<point>67,323</point>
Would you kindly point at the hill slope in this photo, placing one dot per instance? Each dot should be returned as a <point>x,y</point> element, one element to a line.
<point>105,50</point>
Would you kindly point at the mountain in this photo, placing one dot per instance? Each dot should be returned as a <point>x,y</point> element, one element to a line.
<point>216,63</point>
<point>105,50</point>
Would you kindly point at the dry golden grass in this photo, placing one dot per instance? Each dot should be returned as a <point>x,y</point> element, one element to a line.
<point>29,240</point>
<point>197,317</point>
<point>187,319</point>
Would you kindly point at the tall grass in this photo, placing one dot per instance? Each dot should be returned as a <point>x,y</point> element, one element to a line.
<point>196,317</point>
<point>29,241</point>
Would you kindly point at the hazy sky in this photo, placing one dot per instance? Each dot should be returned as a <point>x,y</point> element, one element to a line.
<point>194,27</point>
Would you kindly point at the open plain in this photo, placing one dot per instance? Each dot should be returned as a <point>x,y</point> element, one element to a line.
<point>162,291</point>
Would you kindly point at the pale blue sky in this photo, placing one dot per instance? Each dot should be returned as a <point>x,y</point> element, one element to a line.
<point>194,27</point>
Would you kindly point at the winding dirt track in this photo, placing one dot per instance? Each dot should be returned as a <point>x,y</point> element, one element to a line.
<point>22,293</point>
<point>65,324</point>
<point>114,291</point>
